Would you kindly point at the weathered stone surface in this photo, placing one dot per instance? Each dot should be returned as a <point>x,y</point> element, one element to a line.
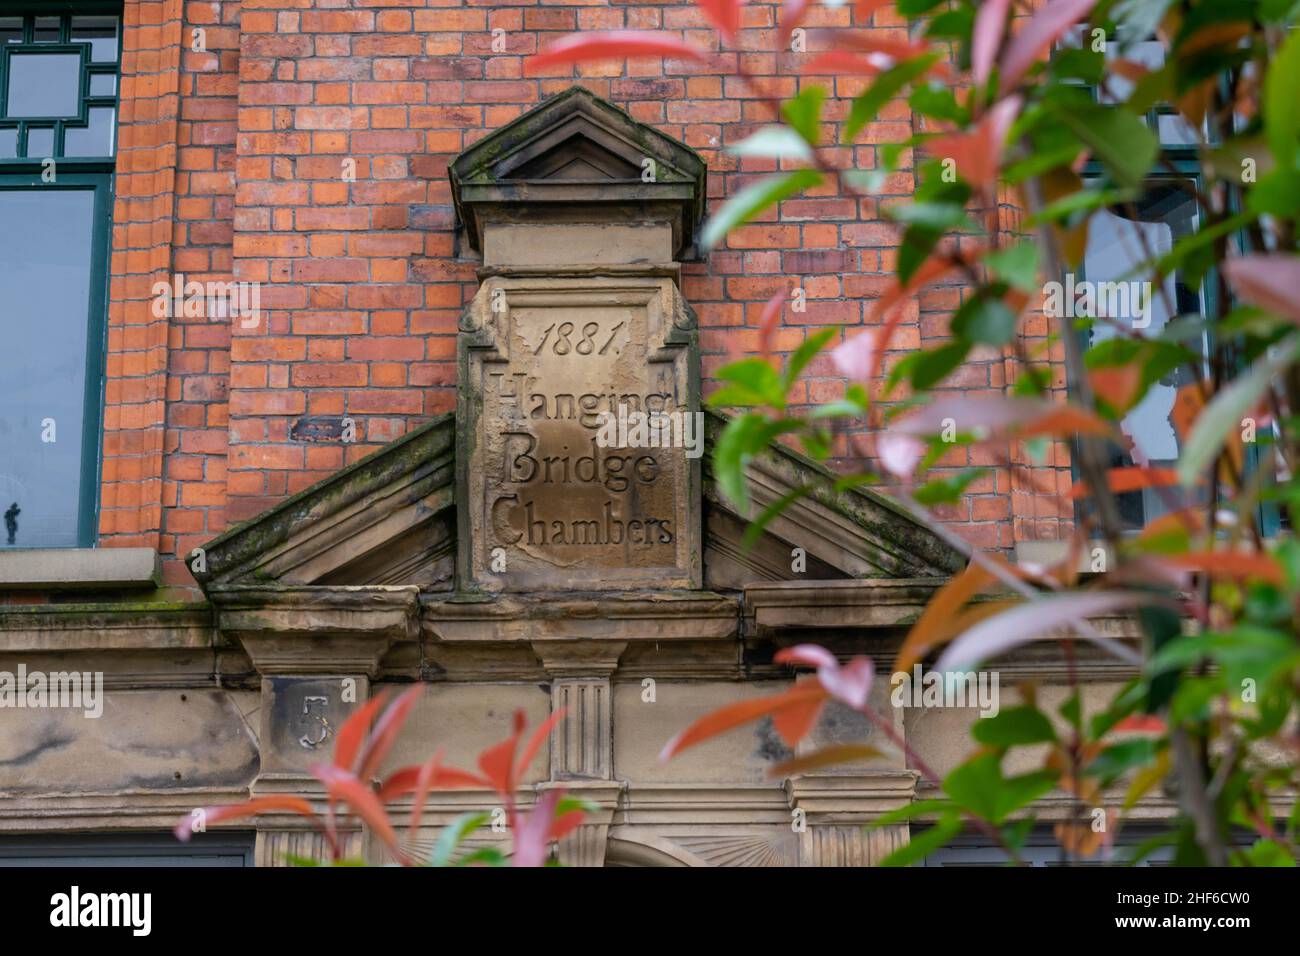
<point>174,739</point>
<point>546,364</point>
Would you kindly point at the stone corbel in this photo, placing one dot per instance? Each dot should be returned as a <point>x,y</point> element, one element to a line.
<point>586,845</point>
<point>835,809</point>
<point>317,650</point>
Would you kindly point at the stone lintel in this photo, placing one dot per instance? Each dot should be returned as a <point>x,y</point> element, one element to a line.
<point>542,618</point>
<point>850,798</point>
<point>317,630</point>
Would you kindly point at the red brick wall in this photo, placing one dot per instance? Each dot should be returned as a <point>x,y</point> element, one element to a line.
<point>362,284</point>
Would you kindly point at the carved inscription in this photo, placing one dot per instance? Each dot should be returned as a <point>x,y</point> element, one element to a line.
<point>563,506</point>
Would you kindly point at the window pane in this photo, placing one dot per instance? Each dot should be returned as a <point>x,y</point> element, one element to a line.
<point>8,143</point>
<point>11,29</point>
<point>1116,244</point>
<point>95,140</point>
<point>44,84</point>
<point>40,142</point>
<point>101,33</point>
<point>45,274</point>
<point>103,84</point>
<point>47,30</point>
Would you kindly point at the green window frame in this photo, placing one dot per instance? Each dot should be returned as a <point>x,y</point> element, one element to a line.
<point>72,172</point>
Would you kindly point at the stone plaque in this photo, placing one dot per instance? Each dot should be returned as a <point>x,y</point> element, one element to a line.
<point>579,451</point>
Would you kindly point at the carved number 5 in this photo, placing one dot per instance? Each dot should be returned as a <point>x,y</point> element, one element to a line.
<point>322,722</point>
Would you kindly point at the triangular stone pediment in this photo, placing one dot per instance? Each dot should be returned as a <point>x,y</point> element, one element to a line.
<point>390,519</point>
<point>577,149</point>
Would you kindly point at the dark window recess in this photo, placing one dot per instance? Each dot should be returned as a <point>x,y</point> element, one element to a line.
<point>127,849</point>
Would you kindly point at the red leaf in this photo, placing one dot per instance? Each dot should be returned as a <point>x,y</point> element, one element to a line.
<point>978,153</point>
<point>211,816</point>
<point>498,764</point>
<point>405,780</point>
<point>793,13</point>
<point>842,61</point>
<point>535,742</point>
<point>566,823</point>
<point>1047,26</point>
<point>792,723</point>
<point>1132,478</point>
<point>1142,724</point>
<point>1232,564</point>
<point>990,25</point>
<point>342,785</point>
<point>886,307</point>
<point>1271,282</point>
<point>850,684</point>
<point>613,45</point>
<point>386,730</point>
<point>855,357</point>
<point>767,322</point>
<point>742,712</point>
<point>897,51</point>
<point>990,414</point>
<point>354,730</point>
<point>1033,620</point>
<point>865,8</point>
<point>723,14</point>
<point>532,836</point>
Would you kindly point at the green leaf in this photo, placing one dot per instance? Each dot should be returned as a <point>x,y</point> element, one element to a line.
<point>938,102</point>
<point>744,437</point>
<point>946,491</point>
<point>1122,757</point>
<point>932,215</point>
<point>979,787</point>
<point>772,511</point>
<point>1225,411</point>
<point>933,366</point>
<point>1277,194</point>
<point>984,320</point>
<point>887,85</point>
<point>451,835</point>
<point>804,354</point>
<point>752,200</point>
<point>1015,727</point>
<point>1119,139</point>
<point>1282,102</point>
<point>1016,265</point>
<point>910,811</point>
<point>803,112</point>
<point>924,842</point>
<point>753,379</point>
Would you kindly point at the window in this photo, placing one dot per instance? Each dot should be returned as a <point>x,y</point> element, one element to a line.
<point>127,849</point>
<point>58,101</point>
<point>1119,239</point>
<point>1042,849</point>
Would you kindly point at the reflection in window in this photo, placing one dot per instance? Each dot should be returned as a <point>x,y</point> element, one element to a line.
<point>46,270</point>
<point>1118,241</point>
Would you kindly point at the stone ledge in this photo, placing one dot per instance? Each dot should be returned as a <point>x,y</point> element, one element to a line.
<point>67,569</point>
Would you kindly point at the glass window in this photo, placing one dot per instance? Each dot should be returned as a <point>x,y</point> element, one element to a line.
<point>44,84</point>
<point>59,75</point>
<point>50,266</point>
<point>1125,302</point>
<point>58,100</point>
